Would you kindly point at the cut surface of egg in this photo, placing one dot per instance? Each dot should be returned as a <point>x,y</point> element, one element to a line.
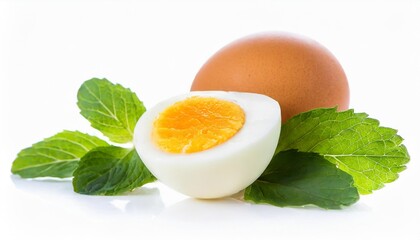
<point>209,144</point>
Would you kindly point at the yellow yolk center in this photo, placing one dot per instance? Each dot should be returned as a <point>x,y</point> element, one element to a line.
<point>197,124</point>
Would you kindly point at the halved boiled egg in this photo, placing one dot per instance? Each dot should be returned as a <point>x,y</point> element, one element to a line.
<point>209,144</point>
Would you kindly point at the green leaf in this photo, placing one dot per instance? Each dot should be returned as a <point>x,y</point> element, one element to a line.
<point>372,154</point>
<point>110,108</point>
<point>110,171</point>
<point>297,179</point>
<point>56,156</point>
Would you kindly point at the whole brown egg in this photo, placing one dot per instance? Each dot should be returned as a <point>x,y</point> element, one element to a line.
<point>298,72</point>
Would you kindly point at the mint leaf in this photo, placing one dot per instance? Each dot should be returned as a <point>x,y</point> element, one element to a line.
<point>110,171</point>
<point>296,178</point>
<point>56,156</point>
<point>372,154</point>
<point>110,108</point>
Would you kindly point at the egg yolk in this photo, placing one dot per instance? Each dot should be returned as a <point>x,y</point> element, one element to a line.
<point>196,124</point>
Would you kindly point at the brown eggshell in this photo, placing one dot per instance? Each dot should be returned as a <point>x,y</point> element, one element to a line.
<point>298,72</point>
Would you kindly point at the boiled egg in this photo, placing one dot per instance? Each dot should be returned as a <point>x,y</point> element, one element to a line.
<point>209,144</point>
<point>297,71</point>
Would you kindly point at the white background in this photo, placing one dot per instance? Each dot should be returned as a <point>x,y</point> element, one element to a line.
<point>48,48</point>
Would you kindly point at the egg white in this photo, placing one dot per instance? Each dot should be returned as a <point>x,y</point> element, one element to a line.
<point>224,169</point>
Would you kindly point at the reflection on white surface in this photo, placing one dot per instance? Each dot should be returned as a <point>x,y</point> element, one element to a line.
<point>47,208</point>
<point>144,202</point>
